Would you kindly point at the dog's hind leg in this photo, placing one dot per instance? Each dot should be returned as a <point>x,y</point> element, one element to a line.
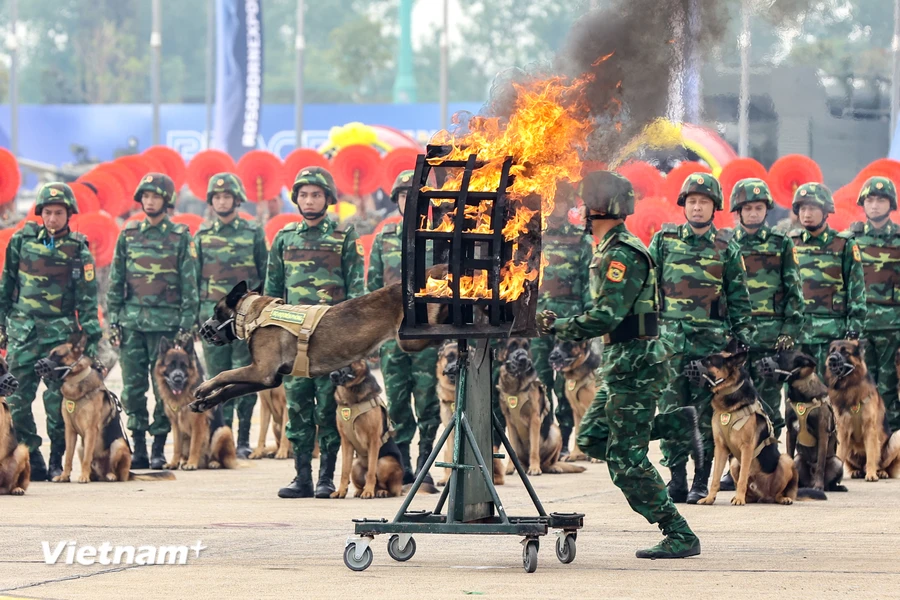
<point>264,416</point>
<point>119,461</point>
<point>786,483</point>
<point>891,460</point>
<point>834,473</point>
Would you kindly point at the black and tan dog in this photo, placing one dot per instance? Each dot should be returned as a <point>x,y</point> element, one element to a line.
<point>362,421</point>
<point>742,429</point>
<point>335,337</point>
<point>92,412</point>
<point>811,431</point>
<point>273,409</point>
<point>534,436</point>
<point>15,467</point>
<point>199,440</point>
<point>865,442</point>
<point>447,370</point>
<point>577,363</point>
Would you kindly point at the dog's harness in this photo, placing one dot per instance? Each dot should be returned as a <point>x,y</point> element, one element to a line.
<point>735,421</point>
<point>349,414</point>
<point>301,321</point>
<point>803,409</point>
<point>575,385</point>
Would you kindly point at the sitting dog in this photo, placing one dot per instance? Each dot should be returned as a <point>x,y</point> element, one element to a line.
<point>447,370</point>
<point>304,341</point>
<point>742,428</point>
<point>15,467</point>
<point>534,437</point>
<point>273,408</point>
<point>577,363</point>
<point>362,421</point>
<point>865,442</point>
<point>90,411</point>
<point>811,432</point>
<point>199,440</point>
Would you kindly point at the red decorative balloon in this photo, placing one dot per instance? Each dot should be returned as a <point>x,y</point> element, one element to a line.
<point>278,222</point>
<point>262,174</point>
<point>790,172</point>
<point>87,200</point>
<point>204,165</point>
<point>102,233</point>
<point>736,170</point>
<point>298,160</point>
<point>644,177</point>
<point>112,194</point>
<point>171,160</point>
<point>395,162</point>
<point>5,235</point>
<point>357,170</point>
<point>10,177</point>
<point>675,178</point>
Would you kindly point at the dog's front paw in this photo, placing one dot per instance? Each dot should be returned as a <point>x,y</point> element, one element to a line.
<point>214,464</point>
<point>596,461</point>
<point>111,477</point>
<point>64,478</point>
<point>786,500</point>
<point>883,475</point>
<point>282,454</point>
<point>381,493</point>
<point>857,474</point>
<point>872,476</point>
<point>707,501</point>
<point>188,467</point>
<point>84,478</point>
<point>738,500</point>
<point>199,406</point>
<point>17,492</point>
<point>342,493</point>
<point>533,472</point>
<point>367,494</point>
<point>172,465</point>
<point>574,457</point>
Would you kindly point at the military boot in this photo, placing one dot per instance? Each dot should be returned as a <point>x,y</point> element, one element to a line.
<point>700,485</point>
<point>57,449</point>
<point>424,452</point>
<point>566,434</point>
<point>325,484</point>
<point>408,476</point>
<point>726,484</point>
<point>38,466</point>
<point>139,459</point>
<point>157,453</point>
<point>302,485</point>
<point>692,419</point>
<point>243,441</point>
<point>677,486</point>
<point>680,542</point>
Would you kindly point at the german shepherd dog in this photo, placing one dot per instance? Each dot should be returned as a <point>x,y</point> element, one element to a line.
<point>362,421</point>
<point>447,370</point>
<point>865,442</point>
<point>534,436</point>
<point>742,429</point>
<point>811,433</point>
<point>577,363</point>
<point>349,331</point>
<point>15,466</point>
<point>273,408</point>
<point>92,412</point>
<point>199,440</point>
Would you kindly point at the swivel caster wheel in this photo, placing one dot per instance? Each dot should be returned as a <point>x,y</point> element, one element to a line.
<point>357,561</point>
<point>565,548</point>
<point>398,553</point>
<point>530,556</point>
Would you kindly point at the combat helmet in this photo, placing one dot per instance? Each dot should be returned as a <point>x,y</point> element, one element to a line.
<point>607,192</point>
<point>879,186</point>
<point>56,193</point>
<point>158,183</point>
<point>751,190</point>
<point>315,176</point>
<point>702,183</point>
<point>401,184</point>
<point>816,194</point>
<point>226,183</point>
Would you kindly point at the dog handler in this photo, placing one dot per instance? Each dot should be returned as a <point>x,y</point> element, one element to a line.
<point>618,425</point>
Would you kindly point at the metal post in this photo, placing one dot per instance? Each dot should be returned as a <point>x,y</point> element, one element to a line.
<point>675,109</point>
<point>12,45</point>
<point>445,65</point>
<point>405,84</point>
<point>895,81</point>
<point>693,84</point>
<point>155,46</point>
<point>299,47</point>
<point>210,66</point>
<point>744,107</point>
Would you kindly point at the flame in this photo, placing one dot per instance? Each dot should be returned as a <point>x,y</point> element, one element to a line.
<point>518,224</point>
<point>513,278</point>
<point>472,287</point>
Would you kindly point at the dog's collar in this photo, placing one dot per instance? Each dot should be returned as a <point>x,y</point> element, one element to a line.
<point>80,376</point>
<point>731,389</point>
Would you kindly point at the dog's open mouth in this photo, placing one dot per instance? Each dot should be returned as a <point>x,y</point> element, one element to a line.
<point>176,385</point>
<point>559,362</point>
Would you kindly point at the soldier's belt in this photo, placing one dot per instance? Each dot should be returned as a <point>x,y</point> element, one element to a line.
<point>632,327</point>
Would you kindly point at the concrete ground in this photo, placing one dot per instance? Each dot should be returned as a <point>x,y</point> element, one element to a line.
<point>259,546</point>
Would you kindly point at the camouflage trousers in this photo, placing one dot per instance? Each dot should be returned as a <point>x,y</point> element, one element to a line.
<point>137,355</point>
<point>618,427</point>
<point>310,403</point>
<point>21,358</point>
<point>679,392</point>
<point>225,358</point>
<point>881,353</point>
<point>413,375</point>
<point>770,391</point>
<point>540,353</point>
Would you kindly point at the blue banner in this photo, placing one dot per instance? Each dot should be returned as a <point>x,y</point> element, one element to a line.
<point>239,67</point>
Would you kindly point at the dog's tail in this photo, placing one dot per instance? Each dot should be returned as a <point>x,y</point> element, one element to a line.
<point>158,476</point>
<point>566,467</point>
<point>222,446</point>
<point>811,494</point>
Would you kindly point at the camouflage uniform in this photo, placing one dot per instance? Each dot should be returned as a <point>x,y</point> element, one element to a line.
<point>152,294</point>
<point>48,291</point>
<point>566,291</point>
<point>880,251</point>
<point>314,265</point>
<point>834,288</point>
<point>618,425</point>
<point>776,292</point>
<point>704,302</point>
<point>228,254</point>
<point>404,374</point>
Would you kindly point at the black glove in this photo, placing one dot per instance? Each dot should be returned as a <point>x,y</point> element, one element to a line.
<point>545,320</point>
<point>115,334</point>
<point>784,342</point>
<point>851,335</point>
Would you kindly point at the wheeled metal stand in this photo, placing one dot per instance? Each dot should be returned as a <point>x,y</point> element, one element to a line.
<point>473,506</point>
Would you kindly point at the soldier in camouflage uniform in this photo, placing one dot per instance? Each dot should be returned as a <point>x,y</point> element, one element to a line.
<point>625,310</point>
<point>704,302</point>
<point>229,250</point>
<point>834,288</point>
<point>404,374</point>
<point>313,262</point>
<point>152,294</point>
<point>879,245</point>
<point>565,290</point>
<point>47,292</point>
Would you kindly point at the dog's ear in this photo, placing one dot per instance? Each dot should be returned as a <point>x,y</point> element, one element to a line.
<point>258,289</point>
<point>74,338</point>
<point>80,343</point>
<point>861,345</point>
<point>804,360</point>
<point>235,295</point>
<point>164,346</point>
